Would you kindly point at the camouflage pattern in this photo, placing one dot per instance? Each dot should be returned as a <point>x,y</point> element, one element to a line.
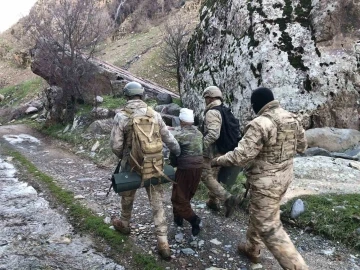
<point>120,142</point>
<point>265,227</point>
<point>190,141</point>
<point>120,131</point>
<point>266,152</point>
<point>155,195</point>
<point>258,151</point>
<point>211,129</point>
<point>210,178</point>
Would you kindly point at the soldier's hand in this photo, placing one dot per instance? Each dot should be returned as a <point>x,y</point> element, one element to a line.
<point>214,163</point>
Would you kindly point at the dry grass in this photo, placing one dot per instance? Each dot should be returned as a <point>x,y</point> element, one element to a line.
<point>143,50</point>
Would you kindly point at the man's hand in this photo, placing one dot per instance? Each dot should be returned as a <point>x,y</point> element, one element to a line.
<point>214,163</point>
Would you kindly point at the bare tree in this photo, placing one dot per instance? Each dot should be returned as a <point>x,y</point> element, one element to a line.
<point>66,34</point>
<point>176,36</point>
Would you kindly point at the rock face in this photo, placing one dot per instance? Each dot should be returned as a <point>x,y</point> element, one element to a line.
<point>304,50</point>
<point>333,139</point>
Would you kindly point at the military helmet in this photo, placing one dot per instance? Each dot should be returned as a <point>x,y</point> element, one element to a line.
<point>212,91</point>
<point>133,89</point>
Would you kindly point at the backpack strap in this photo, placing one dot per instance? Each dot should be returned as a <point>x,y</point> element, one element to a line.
<point>163,174</point>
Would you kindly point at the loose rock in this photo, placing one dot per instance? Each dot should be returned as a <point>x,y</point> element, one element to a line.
<point>215,242</point>
<point>297,209</point>
<point>188,251</point>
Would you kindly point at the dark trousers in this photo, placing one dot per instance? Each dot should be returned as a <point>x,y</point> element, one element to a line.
<point>187,184</point>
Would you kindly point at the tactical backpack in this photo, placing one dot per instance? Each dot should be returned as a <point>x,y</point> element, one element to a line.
<point>146,159</point>
<point>230,130</point>
<point>146,156</point>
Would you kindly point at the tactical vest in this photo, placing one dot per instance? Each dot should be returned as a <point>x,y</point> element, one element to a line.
<point>286,139</point>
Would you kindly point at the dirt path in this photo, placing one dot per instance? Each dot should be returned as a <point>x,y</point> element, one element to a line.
<point>35,236</point>
<point>86,179</point>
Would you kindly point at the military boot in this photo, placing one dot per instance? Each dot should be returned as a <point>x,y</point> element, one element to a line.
<point>213,205</point>
<point>120,226</point>
<point>164,250</point>
<point>253,258</point>
<point>230,204</point>
<point>195,224</point>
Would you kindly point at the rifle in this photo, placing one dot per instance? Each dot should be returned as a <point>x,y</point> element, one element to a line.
<point>117,170</point>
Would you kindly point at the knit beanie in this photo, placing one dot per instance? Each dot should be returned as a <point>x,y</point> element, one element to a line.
<point>260,97</point>
<point>186,115</point>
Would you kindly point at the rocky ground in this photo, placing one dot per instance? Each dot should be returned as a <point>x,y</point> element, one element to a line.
<point>35,236</point>
<point>215,247</point>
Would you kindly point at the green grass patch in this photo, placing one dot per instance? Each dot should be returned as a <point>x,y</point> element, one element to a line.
<point>148,262</point>
<point>177,101</point>
<point>112,103</point>
<point>335,216</point>
<point>83,109</point>
<point>86,221</point>
<point>14,95</point>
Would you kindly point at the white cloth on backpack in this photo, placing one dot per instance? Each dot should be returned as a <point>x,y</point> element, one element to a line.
<point>186,115</point>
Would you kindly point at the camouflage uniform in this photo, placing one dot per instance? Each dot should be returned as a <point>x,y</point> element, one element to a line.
<point>120,142</point>
<point>212,127</point>
<point>267,150</point>
<point>189,168</point>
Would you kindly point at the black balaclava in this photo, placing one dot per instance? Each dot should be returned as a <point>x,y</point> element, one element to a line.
<point>260,97</point>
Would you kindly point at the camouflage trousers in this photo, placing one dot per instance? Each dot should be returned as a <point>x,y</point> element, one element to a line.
<point>155,195</point>
<point>265,228</point>
<point>209,178</point>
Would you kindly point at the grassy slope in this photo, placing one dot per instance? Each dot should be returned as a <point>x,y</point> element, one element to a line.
<point>335,216</point>
<point>23,92</point>
<point>148,45</point>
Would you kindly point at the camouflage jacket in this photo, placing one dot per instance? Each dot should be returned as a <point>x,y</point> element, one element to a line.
<point>260,144</point>
<point>211,129</point>
<point>120,139</point>
<point>190,141</point>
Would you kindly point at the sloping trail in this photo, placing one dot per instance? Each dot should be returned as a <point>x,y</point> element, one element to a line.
<point>84,178</point>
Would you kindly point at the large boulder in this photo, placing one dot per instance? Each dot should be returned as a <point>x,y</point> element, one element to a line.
<point>101,126</point>
<point>333,139</point>
<point>100,78</point>
<point>102,113</point>
<point>172,109</point>
<point>303,50</point>
<point>164,98</point>
<point>326,175</point>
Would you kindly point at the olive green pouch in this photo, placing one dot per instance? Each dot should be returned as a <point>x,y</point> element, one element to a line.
<point>228,175</point>
<point>125,181</point>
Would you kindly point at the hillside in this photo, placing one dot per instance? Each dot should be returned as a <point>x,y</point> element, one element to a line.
<point>136,48</point>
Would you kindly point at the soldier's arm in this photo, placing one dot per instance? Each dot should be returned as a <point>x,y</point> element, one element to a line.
<point>248,148</point>
<point>301,139</point>
<point>168,138</point>
<point>213,123</point>
<point>117,136</point>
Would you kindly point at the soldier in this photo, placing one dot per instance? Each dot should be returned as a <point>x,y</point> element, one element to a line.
<point>189,169</point>
<point>211,130</point>
<point>120,141</point>
<point>267,150</point>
